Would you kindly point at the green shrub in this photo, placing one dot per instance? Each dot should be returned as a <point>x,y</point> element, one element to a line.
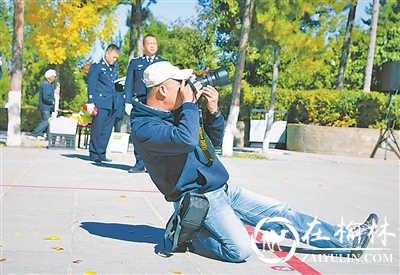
<point>30,118</point>
<point>319,107</point>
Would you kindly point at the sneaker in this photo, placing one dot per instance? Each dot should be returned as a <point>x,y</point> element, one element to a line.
<point>363,234</point>
<point>136,169</point>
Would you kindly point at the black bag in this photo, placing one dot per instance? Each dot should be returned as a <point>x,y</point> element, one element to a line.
<point>187,219</point>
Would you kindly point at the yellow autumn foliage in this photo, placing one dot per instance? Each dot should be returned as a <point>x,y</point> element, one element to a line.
<point>61,28</point>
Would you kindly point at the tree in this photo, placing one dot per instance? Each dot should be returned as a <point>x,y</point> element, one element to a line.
<point>371,48</point>
<point>135,23</point>
<point>271,111</point>
<point>230,128</point>
<point>138,15</point>
<point>282,25</point>
<point>6,30</point>
<point>346,45</point>
<point>57,34</point>
<point>14,96</point>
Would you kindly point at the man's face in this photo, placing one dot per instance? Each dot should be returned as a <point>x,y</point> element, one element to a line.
<point>150,46</point>
<point>111,57</point>
<point>173,99</point>
<point>51,79</point>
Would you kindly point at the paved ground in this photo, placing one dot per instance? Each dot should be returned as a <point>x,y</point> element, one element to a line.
<point>62,214</point>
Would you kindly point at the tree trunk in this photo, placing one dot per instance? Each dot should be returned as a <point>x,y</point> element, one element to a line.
<point>371,48</point>
<point>133,22</point>
<point>139,28</point>
<point>272,102</point>
<point>346,45</point>
<point>14,96</point>
<point>230,129</point>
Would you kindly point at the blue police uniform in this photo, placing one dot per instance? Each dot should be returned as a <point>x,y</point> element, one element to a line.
<point>134,86</point>
<point>101,92</point>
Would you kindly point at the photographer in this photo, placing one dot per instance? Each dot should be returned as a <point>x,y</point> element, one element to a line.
<point>165,132</point>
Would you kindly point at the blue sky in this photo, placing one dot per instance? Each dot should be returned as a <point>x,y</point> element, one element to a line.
<point>170,10</point>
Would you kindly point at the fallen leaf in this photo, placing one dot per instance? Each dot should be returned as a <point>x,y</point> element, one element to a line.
<point>130,217</point>
<point>52,238</point>
<point>122,197</point>
<point>2,259</point>
<point>176,271</point>
<point>320,184</point>
<point>89,273</point>
<point>73,222</point>
<point>58,248</point>
<point>18,234</point>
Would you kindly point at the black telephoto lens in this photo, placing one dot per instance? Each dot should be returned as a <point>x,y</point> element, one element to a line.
<point>217,78</point>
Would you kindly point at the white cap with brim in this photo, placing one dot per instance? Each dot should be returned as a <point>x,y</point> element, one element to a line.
<point>159,72</point>
<point>50,73</point>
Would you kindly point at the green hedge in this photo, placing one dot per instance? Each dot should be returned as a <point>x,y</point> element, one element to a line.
<point>30,118</point>
<point>320,107</point>
<point>317,107</point>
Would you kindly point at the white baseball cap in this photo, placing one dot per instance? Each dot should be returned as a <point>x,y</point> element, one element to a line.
<point>50,73</point>
<point>159,72</point>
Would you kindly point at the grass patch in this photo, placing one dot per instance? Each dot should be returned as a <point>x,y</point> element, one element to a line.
<point>249,156</point>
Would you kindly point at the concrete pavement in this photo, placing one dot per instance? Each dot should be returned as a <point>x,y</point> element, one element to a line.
<point>62,214</point>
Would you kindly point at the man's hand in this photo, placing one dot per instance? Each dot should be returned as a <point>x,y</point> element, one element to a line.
<point>187,94</point>
<point>211,95</point>
<point>128,108</point>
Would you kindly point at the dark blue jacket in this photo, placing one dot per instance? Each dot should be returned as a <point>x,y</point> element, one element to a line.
<point>101,86</point>
<point>168,143</point>
<point>134,84</point>
<point>46,100</point>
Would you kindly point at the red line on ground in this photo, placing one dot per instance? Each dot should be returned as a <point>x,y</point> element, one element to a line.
<point>294,262</point>
<point>79,188</point>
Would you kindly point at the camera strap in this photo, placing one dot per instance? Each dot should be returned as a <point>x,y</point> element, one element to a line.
<point>205,143</point>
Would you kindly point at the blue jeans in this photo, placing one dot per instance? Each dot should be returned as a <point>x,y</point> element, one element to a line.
<point>224,235</point>
<point>43,124</point>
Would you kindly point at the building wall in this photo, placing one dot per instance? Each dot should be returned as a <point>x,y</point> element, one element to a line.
<point>358,142</point>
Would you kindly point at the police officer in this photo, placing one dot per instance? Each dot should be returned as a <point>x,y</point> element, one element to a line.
<point>101,95</point>
<point>134,84</point>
